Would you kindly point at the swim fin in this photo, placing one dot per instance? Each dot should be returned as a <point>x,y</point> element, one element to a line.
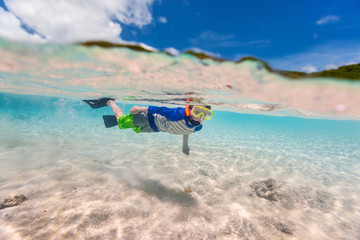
<point>110,121</point>
<point>98,103</point>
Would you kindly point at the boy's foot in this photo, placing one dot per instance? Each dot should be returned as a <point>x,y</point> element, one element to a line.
<point>98,103</point>
<point>111,101</point>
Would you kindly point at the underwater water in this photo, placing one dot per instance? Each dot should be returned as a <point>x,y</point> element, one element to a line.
<point>279,160</point>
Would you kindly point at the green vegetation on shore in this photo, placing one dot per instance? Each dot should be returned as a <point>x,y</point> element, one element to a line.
<point>203,56</point>
<point>105,44</point>
<point>351,72</point>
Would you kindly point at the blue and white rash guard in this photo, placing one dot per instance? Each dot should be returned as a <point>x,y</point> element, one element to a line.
<point>171,120</point>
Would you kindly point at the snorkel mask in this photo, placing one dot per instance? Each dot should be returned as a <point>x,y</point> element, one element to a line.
<point>197,114</point>
<point>202,113</point>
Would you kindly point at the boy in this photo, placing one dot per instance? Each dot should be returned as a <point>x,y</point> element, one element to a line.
<point>179,120</point>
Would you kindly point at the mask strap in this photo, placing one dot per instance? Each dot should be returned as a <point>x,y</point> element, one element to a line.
<point>187,110</point>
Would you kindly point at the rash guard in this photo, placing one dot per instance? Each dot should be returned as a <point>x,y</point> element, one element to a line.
<point>171,120</point>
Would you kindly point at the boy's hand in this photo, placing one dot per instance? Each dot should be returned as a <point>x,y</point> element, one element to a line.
<point>137,109</point>
<point>186,150</point>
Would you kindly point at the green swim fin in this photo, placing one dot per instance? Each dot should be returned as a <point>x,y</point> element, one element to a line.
<point>98,103</point>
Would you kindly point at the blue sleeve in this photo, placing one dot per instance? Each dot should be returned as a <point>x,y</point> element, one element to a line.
<point>173,114</point>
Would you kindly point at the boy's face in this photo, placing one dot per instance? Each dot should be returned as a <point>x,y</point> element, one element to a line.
<point>199,119</point>
<point>200,114</point>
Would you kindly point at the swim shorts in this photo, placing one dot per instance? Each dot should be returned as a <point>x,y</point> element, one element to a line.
<point>138,122</point>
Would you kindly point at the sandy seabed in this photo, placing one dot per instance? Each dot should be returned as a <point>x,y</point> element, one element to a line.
<point>145,190</point>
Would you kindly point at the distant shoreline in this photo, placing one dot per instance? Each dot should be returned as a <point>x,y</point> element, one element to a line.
<point>347,72</point>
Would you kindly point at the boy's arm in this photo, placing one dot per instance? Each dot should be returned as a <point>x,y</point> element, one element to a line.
<point>173,114</point>
<point>137,109</point>
<point>185,148</point>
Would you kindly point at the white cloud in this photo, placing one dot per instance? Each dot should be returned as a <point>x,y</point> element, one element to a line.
<point>199,50</point>
<point>330,66</point>
<point>172,51</point>
<point>162,20</point>
<point>327,19</point>
<point>71,21</point>
<point>11,28</point>
<point>210,39</point>
<point>260,42</point>
<point>332,54</point>
<point>309,68</point>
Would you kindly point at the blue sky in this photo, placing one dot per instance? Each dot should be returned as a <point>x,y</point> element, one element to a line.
<point>289,35</point>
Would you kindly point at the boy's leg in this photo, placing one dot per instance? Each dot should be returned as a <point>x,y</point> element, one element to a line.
<point>117,111</point>
<point>126,121</point>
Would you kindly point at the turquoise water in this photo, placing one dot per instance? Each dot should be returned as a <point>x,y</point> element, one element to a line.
<point>84,181</point>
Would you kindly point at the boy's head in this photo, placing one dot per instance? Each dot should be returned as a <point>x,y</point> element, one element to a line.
<point>200,113</point>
